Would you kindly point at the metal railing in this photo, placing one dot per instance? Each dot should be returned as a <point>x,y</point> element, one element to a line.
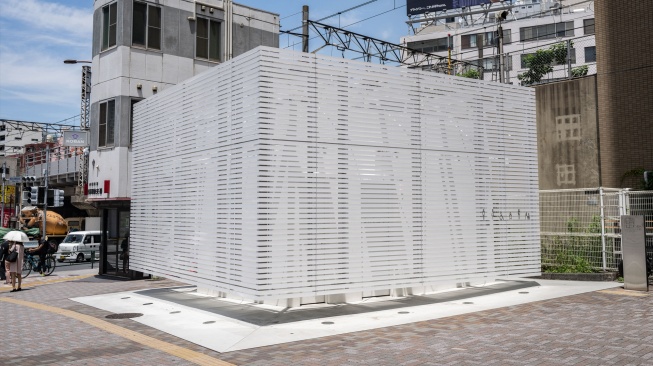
<point>62,162</point>
<point>581,227</point>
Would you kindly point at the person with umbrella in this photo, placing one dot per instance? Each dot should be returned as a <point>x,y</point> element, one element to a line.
<point>15,268</point>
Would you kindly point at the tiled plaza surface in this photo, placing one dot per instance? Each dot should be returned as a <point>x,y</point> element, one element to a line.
<point>611,327</point>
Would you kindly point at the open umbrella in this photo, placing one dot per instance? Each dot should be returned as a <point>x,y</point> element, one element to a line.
<point>16,236</point>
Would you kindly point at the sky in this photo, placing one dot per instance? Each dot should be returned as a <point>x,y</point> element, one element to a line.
<point>37,35</point>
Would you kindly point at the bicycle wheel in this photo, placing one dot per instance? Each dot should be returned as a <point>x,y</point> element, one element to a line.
<point>50,264</point>
<point>27,266</point>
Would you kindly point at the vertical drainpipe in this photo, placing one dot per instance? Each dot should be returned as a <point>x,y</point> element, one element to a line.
<point>229,31</point>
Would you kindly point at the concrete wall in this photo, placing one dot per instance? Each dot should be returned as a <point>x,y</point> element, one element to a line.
<point>568,146</point>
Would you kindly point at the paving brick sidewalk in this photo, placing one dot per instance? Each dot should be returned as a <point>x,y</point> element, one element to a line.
<point>598,328</point>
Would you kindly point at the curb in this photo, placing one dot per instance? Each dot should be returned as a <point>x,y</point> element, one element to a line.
<point>47,282</point>
<point>602,276</point>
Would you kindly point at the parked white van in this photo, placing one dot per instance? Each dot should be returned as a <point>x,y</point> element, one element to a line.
<point>78,246</point>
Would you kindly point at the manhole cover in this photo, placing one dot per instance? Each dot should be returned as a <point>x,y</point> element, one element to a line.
<point>123,315</point>
<point>327,323</point>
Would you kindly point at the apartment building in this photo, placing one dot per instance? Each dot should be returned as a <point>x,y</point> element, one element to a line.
<point>527,26</point>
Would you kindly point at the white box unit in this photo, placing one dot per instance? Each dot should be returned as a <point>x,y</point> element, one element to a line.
<point>282,175</point>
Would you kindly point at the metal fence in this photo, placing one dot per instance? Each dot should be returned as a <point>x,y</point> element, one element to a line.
<point>581,227</point>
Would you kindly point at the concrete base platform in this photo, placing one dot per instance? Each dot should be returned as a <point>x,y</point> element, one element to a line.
<point>223,325</point>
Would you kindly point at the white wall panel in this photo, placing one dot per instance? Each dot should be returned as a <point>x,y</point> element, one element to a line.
<point>282,175</point>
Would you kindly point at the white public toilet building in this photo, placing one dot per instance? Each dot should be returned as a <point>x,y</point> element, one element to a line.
<point>290,178</point>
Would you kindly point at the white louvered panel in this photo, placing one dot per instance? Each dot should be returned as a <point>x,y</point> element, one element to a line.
<point>281,174</point>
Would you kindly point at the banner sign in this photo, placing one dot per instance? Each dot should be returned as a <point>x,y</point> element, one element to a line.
<point>8,195</point>
<point>416,7</point>
<point>75,138</point>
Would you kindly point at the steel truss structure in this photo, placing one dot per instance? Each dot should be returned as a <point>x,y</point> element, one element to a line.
<point>84,123</point>
<point>384,51</point>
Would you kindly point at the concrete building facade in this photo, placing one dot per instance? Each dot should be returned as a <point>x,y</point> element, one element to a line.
<point>139,49</point>
<point>625,88</point>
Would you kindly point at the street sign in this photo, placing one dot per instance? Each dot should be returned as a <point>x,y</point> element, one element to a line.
<point>75,138</point>
<point>15,179</point>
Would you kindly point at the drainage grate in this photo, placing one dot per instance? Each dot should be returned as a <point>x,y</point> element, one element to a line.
<point>175,312</point>
<point>468,303</point>
<point>403,312</point>
<point>123,315</point>
<point>209,322</point>
<point>327,323</point>
<point>523,292</point>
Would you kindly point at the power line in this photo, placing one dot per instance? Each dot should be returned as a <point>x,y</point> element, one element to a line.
<point>348,25</point>
<point>338,13</point>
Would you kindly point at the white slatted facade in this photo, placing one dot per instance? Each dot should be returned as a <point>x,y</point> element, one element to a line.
<point>285,175</point>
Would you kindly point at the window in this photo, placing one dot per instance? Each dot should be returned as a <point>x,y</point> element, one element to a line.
<point>109,28</point>
<point>107,123</point>
<point>147,26</point>
<point>486,39</point>
<point>590,54</point>
<point>2,138</point>
<point>491,64</point>
<point>433,45</point>
<point>208,39</point>
<point>546,31</point>
<point>588,26</point>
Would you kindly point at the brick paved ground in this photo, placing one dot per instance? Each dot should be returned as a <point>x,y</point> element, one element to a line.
<point>599,328</point>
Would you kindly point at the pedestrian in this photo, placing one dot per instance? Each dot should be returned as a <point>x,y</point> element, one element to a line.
<point>15,269</point>
<point>125,253</point>
<point>4,251</point>
<point>42,250</point>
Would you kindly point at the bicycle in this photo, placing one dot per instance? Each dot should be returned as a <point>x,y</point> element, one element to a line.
<point>31,262</point>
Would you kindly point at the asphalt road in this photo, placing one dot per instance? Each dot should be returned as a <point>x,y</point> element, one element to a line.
<point>68,266</point>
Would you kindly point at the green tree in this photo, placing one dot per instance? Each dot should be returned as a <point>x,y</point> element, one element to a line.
<point>471,73</point>
<point>541,62</point>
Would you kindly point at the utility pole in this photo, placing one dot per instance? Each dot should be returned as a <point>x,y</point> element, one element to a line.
<point>45,191</point>
<point>449,53</point>
<point>502,67</point>
<point>305,28</point>
<point>4,170</point>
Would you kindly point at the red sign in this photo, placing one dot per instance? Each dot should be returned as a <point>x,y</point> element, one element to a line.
<point>6,217</point>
